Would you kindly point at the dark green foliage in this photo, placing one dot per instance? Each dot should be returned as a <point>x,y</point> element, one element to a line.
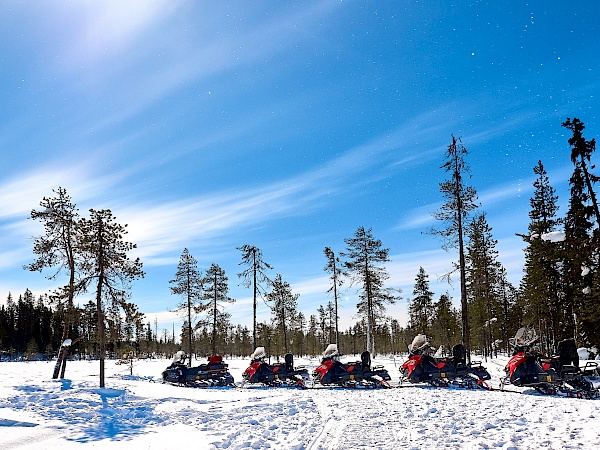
<point>187,284</point>
<point>284,304</point>
<point>107,268</point>
<point>459,202</point>
<point>420,307</point>
<point>215,294</point>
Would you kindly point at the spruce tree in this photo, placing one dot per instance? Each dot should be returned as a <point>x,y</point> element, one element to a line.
<point>459,202</point>
<point>284,304</point>
<point>420,307</point>
<point>483,277</point>
<point>541,283</point>
<point>187,284</point>
<point>216,291</point>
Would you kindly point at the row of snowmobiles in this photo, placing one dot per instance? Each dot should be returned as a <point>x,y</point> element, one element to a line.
<point>559,374</point>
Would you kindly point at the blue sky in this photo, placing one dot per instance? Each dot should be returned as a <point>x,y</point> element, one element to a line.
<point>285,125</point>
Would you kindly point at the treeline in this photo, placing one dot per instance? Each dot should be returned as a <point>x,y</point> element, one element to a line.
<point>558,294</point>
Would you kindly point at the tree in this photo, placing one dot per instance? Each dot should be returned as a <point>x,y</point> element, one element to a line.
<point>58,248</point>
<point>483,278</point>
<point>254,276</point>
<point>215,293</point>
<point>108,265</point>
<point>284,304</point>
<point>187,284</point>
<point>541,283</point>
<point>364,265</point>
<point>459,202</point>
<point>420,308</point>
<point>333,267</point>
<point>581,153</point>
<point>446,324</point>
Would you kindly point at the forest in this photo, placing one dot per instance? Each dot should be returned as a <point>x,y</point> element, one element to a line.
<point>558,294</point>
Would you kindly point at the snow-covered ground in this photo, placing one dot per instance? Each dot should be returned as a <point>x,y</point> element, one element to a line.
<point>133,412</point>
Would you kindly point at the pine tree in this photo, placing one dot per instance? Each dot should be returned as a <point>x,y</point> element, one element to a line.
<point>364,265</point>
<point>334,268</point>
<point>284,304</point>
<point>460,201</point>
<point>255,276</point>
<point>420,307</point>
<point>216,291</point>
<point>58,249</point>
<point>108,266</point>
<point>187,284</point>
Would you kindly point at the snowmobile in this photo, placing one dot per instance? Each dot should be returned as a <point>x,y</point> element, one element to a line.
<point>281,374</point>
<point>357,374</point>
<point>422,367</point>
<point>559,374</point>
<point>213,373</point>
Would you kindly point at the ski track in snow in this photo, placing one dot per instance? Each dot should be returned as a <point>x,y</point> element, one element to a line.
<point>36,412</point>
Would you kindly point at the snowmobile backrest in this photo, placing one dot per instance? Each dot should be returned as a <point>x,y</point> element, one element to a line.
<point>215,359</point>
<point>459,354</point>
<point>567,352</point>
<point>289,361</point>
<point>365,358</point>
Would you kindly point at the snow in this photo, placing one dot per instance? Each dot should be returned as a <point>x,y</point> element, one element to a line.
<point>139,412</point>
<point>554,236</point>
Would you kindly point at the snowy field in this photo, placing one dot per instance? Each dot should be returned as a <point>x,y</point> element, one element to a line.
<point>133,412</point>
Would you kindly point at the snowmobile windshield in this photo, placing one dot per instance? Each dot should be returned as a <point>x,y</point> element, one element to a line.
<point>419,342</point>
<point>330,351</point>
<point>525,336</point>
<point>179,357</point>
<point>259,353</point>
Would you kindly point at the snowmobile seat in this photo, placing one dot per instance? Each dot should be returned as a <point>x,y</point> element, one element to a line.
<point>568,356</point>
<point>365,359</point>
<point>289,361</point>
<point>459,355</point>
<point>215,359</point>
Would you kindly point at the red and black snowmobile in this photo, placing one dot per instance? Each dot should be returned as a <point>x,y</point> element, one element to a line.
<point>214,373</point>
<point>559,374</point>
<point>281,374</point>
<point>454,371</point>
<point>352,374</point>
